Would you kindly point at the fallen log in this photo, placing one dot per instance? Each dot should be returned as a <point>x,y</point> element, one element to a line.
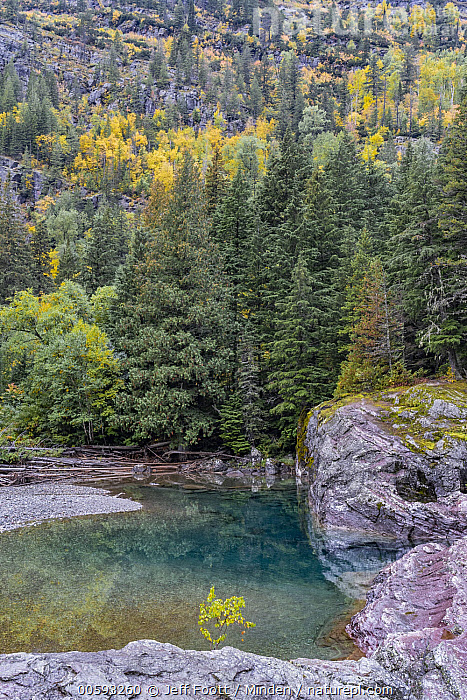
<point>4,468</point>
<point>201,455</point>
<point>102,463</point>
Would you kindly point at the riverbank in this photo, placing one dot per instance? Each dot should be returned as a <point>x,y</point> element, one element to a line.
<point>148,669</point>
<point>32,504</point>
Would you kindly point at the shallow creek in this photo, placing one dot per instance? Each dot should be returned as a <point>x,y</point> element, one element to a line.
<point>98,582</point>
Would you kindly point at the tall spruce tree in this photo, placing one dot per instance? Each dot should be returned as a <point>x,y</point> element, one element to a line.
<point>173,334</point>
<point>290,100</point>
<point>16,260</point>
<point>376,333</point>
<point>233,226</point>
<point>215,182</point>
<point>334,208</point>
<point>414,244</point>
<point>41,247</point>
<point>279,224</point>
<point>446,331</point>
<point>105,248</point>
<point>295,379</point>
<point>321,249</point>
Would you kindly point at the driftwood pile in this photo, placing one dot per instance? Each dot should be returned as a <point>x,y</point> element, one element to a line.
<point>97,463</point>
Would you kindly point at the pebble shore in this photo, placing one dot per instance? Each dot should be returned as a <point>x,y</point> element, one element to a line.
<point>32,504</point>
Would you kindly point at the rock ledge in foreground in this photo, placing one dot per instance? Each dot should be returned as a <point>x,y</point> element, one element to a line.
<point>154,666</point>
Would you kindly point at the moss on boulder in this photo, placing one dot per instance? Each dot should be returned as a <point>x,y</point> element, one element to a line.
<point>387,461</point>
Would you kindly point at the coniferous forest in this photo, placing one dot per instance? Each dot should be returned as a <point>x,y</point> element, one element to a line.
<point>214,215</point>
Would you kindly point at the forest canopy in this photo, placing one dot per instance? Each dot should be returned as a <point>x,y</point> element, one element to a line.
<point>216,216</point>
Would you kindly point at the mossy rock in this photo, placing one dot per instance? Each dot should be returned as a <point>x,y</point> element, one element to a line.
<point>406,413</point>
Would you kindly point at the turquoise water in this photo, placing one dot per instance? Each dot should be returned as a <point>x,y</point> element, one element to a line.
<point>102,581</point>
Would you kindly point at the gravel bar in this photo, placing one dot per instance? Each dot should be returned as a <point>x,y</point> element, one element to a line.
<point>32,504</point>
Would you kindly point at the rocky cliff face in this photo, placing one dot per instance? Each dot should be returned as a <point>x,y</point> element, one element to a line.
<point>392,468</point>
<point>415,621</point>
<point>393,463</point>
<point>13,171</point>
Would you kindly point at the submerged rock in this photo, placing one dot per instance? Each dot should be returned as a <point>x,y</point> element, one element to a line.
<point>372,471</point>
<point>351,561</point>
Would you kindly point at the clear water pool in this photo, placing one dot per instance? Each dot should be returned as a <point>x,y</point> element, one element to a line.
<point>101,581</point>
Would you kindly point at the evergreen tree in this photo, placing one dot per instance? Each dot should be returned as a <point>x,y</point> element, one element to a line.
<point>179,15</point>
<point>413,247</point>
<point>446,331</point>
<point>346,178</point>
<point>158,68</point>
<point>172,333</point>
<point>41,246</point>
<point>266,78</point>
<point>191,16</point>
<point>215,182</point>
<point>249,382</point>
<point>256,97</point>
<point>323,252</point>
<point>52,88</point>
<point>278,230</point>
<point>105,248</point>
<point>373,81</point>
<point>293,375</point>
<point>69,267</point>
<point>232,428</point>
<point>113,73</point>
<point>408,78</point>
<point>291,102</point>
<point>15,253</point>
<point>232,229</point>
<point>376,334</point>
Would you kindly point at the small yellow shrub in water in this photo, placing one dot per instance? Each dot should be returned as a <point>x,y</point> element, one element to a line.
<point>223,613</point>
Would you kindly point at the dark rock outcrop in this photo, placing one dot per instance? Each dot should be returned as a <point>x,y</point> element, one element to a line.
<point>13,171</point>
<point>393,463</point>
<point>388,470</point>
